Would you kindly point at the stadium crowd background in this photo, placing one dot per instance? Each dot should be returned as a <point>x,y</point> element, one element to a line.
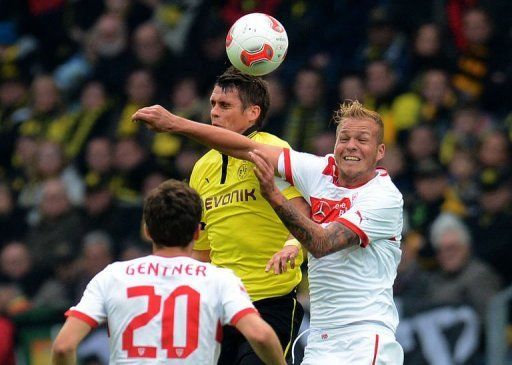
<point>74,168</point>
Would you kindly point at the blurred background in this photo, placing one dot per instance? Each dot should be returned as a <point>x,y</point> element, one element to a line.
<point>74,168</point>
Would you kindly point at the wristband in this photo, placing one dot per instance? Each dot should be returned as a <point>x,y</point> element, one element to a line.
<point>293,242</point>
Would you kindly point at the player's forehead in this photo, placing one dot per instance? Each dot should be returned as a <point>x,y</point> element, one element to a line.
<point>356,125</point>
<point>229,94</point>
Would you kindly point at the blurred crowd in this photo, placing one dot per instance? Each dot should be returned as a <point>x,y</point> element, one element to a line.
<point>74,168</point>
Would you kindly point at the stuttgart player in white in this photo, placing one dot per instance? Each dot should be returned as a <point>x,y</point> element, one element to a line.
<point>353,236</point>
<point>166,308</point>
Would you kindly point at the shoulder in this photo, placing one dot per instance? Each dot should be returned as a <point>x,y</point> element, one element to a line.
<point>268,138</point>
<point>386,185</point>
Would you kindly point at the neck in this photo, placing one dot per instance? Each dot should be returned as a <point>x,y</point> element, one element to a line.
<point>172,251</point>
<point>355,181</point>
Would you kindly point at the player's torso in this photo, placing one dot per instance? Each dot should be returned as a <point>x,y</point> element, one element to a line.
<point>343,285</point>
<point>166,310</point>
<point>243,230</point>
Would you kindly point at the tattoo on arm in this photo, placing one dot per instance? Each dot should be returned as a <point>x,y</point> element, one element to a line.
<point>318,240</point>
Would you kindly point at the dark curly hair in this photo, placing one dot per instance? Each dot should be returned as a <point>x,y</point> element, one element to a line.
<point>172,212</point>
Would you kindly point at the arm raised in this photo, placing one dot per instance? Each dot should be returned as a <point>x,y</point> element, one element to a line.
<point>230,143</point>
<point>319,241</point>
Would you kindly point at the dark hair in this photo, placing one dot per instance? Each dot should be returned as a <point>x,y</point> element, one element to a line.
<point>252,90</point>
<point>172,212</point>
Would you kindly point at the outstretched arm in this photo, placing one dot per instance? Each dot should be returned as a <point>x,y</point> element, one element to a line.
<point>71,334</point>
<point>319,241</point>
<point>230,143</point>
<point>262,338</point>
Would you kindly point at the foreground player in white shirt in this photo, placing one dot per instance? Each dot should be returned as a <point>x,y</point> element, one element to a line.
<point>353,236</point>
<point>166,308</point>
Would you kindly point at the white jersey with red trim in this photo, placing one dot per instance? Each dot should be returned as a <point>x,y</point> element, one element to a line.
<point>162,310</point>
<point>353,285</point>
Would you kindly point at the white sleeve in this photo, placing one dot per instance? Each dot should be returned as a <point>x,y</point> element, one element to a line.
<point>91,307</point>
<point>235,300</point>
<point>301,170</point>
<point>375,215</point>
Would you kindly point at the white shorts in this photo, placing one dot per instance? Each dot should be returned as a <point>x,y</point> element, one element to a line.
<point>353,345</point>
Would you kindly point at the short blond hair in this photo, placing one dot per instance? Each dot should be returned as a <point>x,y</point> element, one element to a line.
<point>354,109</point>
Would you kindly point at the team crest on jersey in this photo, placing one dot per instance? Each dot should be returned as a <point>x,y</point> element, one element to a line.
<point>242,171</point>
<point>325,210</point>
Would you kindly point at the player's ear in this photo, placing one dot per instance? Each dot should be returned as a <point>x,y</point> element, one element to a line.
<point>254,112</point>
<point>381,150</point>
<point>145,232</point>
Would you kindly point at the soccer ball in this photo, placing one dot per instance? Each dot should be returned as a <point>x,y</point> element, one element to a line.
<point>256,44</point>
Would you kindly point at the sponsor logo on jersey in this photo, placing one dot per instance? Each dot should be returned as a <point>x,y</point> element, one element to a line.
<point>242,172</point>
<point>240,195</point>
<point>325,210</point>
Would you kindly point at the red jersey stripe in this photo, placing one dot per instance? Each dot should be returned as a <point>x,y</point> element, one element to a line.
<point>241,314</point>
<point>362,236</point>
<point>287,166</point>
<point>84,317</point>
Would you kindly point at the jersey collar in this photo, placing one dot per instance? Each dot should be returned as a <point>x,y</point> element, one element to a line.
<point>251,131</point>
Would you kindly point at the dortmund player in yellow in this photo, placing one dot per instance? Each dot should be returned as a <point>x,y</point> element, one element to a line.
<point>241,230</point>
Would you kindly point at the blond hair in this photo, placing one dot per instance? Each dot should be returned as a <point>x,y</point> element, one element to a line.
<point>353,109</point>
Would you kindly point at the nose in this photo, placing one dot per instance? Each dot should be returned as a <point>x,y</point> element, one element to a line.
<point>351,144</point>
<point>214,112</point>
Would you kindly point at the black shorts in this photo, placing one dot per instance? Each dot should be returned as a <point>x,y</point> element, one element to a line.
<point>284,314</point>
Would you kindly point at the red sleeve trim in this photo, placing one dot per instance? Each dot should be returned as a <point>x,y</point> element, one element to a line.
<point>362,236</point>
<point>241,314</point>
<point>287,166</point>
<point>84,317</point>
<point>375,350</point>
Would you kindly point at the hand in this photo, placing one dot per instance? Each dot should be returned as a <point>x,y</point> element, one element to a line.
<point>280,260</point>
<point>157,118</point>
<point>264,171</point>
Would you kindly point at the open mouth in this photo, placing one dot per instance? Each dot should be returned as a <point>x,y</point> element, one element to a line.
<point>351,158</point>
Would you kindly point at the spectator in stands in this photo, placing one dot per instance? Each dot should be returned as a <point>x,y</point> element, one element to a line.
<point>51,163</point>
<point>131,164</point>
<point>109,38</point>
<point>351,87</point>
<point>307,115</point>
<point>90,119</point>
<point>428,51</point>
<point>185,99</point>
<point>12,217</point>
<point>430,198</point>
<point>482,63</point>
<point>382,89</point>
<point>384,42</point>
<point>103,212</point>
<point>45,107</point>
<point>97,252</point>
<point>490,227</point>
<point>432,104</point>
<point>461,278</point>
<point>151,53</point>
<point>140,90</point>
<point>58,291</point>
<point>409,289</point>
<point>99,155</point>
<point>58,229</point>
<point>13,96</point>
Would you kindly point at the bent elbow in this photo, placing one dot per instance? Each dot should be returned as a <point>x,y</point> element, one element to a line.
<point>63,349</point>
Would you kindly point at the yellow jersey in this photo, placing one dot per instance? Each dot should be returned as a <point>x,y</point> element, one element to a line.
<point>240,228</point>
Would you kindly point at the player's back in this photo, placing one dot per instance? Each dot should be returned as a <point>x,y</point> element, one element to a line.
<point>163,310</point>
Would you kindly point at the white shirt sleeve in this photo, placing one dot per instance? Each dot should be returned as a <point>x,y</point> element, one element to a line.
<point>301,170</point>
<point>235,301</point>
<point>92,304</point>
